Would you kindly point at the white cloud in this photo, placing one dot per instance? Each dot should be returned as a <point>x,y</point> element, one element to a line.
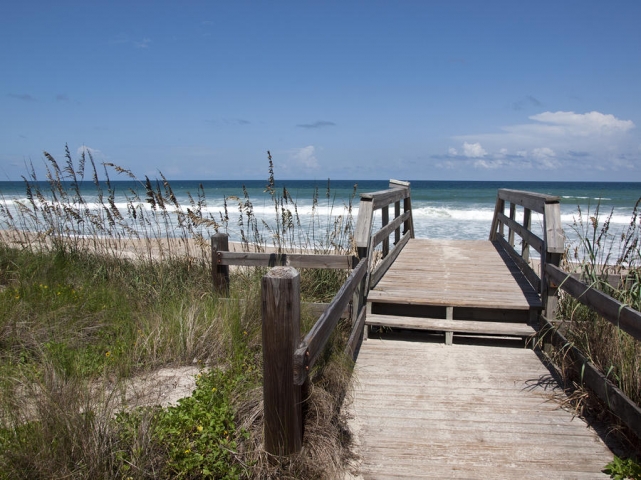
<point>473,150</point>
<point>592,123</point>
<point>305,157</point>
<point>555,140</point>
<point>545,158</point>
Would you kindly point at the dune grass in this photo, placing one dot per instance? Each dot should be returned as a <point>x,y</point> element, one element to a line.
<point>79,320</point>
<point>611,263</point>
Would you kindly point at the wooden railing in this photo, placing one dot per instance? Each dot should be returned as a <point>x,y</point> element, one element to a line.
<point>287,359</point>
<point>551,278</point>
<point>620,315</point>
<point>550,247</point>
<point>366,241</point>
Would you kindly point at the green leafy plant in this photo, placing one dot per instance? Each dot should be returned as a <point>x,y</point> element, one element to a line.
<point>623,469</point>
<point>197,437</point>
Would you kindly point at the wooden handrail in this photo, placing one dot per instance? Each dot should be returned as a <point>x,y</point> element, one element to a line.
<point>531,200</point>
<point>367,241</point>
<point>615,312</point>
<point>314,342</point>
<point>287,360</point>
<point>298,260</point>
<point>550,247</point>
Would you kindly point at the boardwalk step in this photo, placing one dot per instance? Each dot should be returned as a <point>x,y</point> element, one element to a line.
<point>443,325</point>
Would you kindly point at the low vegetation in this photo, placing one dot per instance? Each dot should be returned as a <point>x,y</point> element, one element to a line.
<point>80,320</point>
<point>611,263</point>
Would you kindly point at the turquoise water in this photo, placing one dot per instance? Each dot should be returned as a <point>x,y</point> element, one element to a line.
<point>441,209</point>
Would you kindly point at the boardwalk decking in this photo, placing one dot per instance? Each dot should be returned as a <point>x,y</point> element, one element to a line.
<point>459,273</point>
<point>484,290</point>
<point>427,410</point>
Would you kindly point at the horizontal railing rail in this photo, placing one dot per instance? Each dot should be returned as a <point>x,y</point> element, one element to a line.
<point>615,312</point>
<point>297,260</point>
<point>316,339</point>
<point>550,248</point>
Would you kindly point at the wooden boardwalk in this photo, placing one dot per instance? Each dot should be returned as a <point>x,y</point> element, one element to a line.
<point>480,404</point>
<point>467,286</point>
<point>428,410</point>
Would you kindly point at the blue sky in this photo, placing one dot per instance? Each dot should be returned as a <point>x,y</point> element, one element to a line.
<point>419,90</point>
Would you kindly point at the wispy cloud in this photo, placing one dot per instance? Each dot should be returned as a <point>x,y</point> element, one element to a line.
<point>229,121</point>
<point>144,43</point>
<point>317,124</point>
<point>25,97</point>
<point>125,39</point>
<point>528,101</point>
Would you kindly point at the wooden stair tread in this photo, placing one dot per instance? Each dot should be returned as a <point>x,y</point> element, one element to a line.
<point>443,325</point>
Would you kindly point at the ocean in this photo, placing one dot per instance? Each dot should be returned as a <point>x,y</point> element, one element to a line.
<point>441,209</point>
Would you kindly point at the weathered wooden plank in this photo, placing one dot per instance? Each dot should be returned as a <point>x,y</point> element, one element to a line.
<point>424,409</point>
<point>385,197</point>
<point>554,238</point>
<point>297,260</point>
<point>531,200</point>
<point>624,317</point>
<point>363,227</point>
<point>455,273</point>
<point>444,325</point>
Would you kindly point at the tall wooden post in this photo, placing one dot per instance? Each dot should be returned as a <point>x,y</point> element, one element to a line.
<point>510,235</point>
<point>385,218</point>
<point>219,273</point>
<point>283,426</point>
<point>527,223</point>
<point>495,230</point>
<point>554,249</point>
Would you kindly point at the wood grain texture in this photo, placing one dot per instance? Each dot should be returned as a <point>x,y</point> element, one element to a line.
<point>458,273</point>
<point>445,325</point>
<point>426,410</point>
<point>612,310</point>
<point>281,335</point>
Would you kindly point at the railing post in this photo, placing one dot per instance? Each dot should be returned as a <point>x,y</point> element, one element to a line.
<point>385,219</point>
<point>554,248</point>
<point>527,223</point>
<point>283,418</point>
<point>510,234</point>
<point>498,208</point>
<point>220,273</point>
